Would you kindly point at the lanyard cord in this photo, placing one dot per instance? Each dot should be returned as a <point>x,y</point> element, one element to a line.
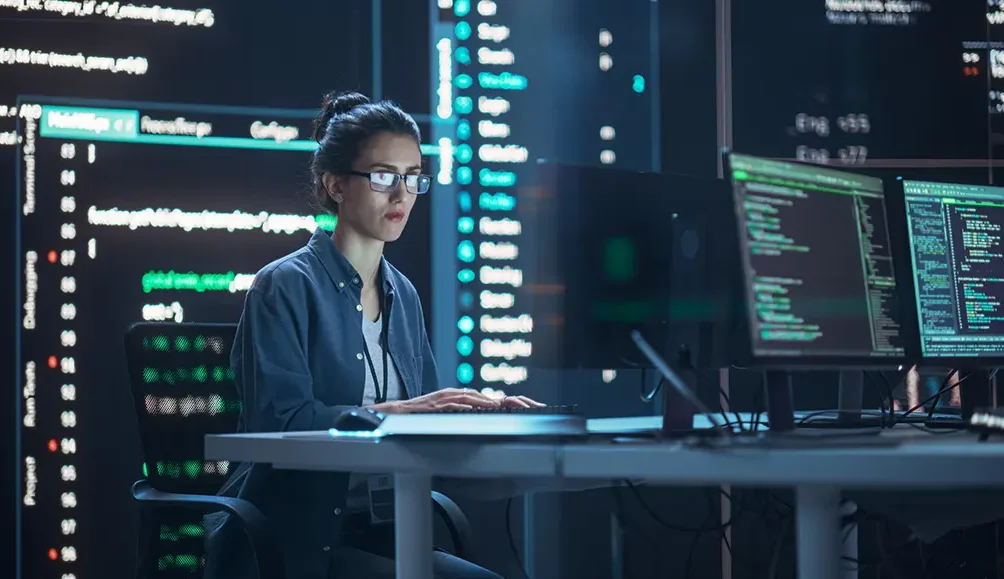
<point>381,396</point>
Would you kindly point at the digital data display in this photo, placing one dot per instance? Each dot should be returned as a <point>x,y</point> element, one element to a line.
<point>818,268</point>
<point>875,83</point>
<point>523,82</point>
<point>956,246</point>
<point>136,212</point>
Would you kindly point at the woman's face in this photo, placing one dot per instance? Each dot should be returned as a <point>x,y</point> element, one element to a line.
<point>380,215</point>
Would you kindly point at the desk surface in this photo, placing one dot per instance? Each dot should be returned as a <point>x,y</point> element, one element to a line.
<point>922,461</point>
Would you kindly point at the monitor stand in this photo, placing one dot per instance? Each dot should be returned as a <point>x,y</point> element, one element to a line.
<point>677,413</point>
<point>780,401</point>
<point>976,391</point>
<point>850,400</point>
<point>850,395</point>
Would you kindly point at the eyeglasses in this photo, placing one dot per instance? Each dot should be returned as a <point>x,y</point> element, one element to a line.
<point>384,181</point>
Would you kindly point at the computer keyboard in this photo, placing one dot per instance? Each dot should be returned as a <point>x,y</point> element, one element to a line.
<point>556,409</point>
<point>987,420</point>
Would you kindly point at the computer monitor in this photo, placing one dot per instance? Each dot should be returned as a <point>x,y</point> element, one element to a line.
<point>821,286</point>
<point>605,252</point>
<point>956,247</point>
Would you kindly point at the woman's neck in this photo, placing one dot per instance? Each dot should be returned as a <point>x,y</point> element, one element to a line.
<point>361,251</point>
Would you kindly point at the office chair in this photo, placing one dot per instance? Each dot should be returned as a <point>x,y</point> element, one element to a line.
<point>183,389</point>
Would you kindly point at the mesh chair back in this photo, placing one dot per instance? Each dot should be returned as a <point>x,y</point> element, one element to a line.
<point>183,389</point>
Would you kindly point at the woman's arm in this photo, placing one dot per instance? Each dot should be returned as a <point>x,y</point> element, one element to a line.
<point>430,372</point>
<point>270,363</point>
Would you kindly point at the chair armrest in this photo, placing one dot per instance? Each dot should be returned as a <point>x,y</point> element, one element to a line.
<point>255,524</point>
<point>456,523</point>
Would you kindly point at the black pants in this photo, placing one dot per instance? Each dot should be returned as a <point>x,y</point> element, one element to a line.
<point>367,552</point>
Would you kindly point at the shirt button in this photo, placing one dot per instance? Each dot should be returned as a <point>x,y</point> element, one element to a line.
<point>338,511</point>
<point>359,356</point>
<point>359,308</point>
<point>341,284</point>
<point>355,280</point>
<point>326,548</point>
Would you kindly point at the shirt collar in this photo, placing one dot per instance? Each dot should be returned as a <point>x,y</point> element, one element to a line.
<point>338,267</point>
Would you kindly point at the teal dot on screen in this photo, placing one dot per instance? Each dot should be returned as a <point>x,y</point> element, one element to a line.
<point>465,225</point>
<point>463,130</point>
<point>462,7</point>
<point>462,30</point>
<point>465,276</point>
<point>465,175</point>
<point>638,84</point>
<point>464,199</point>
<point>464,153</point>
<point>465,345</point>
<point>465,251</point>
<point>462,55</point>
<point>465,373</point>
<point>463,81</point>
<point>466,300</point>
<point>463,104</point>
<point>466,324</point>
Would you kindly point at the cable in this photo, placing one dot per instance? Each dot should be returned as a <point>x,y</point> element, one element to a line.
<point>647,397</point>
<point>775,558</point>
<point>689,565</point>
<point>769,506</point>
<point>678,528</point>
<point>939,393</point>
<point>512,539</point>
<point>937,398</point>
<point>883,421</point>
<point>728,407</point>
<point>891,391</point>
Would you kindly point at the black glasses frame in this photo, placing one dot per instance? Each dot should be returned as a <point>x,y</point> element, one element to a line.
<point>416,184</point>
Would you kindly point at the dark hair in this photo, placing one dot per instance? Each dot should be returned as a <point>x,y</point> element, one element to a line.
<point>347,120</point>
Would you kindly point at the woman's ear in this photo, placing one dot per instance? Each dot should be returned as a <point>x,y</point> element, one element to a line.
<point>333,185</point>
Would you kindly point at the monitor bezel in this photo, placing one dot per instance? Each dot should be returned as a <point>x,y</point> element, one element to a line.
<point>825,362</point>
<point>896,211</point>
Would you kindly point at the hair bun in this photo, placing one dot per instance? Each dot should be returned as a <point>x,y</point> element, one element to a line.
<point>336,103</point>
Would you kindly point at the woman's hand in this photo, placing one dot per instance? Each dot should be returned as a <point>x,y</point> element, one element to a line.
<point>519,402</point>
<point>446,400</point>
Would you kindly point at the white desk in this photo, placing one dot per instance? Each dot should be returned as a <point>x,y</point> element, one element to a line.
<point>818,475</point>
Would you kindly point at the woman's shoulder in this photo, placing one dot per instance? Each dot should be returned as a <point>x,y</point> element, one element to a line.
<point>291,272</point>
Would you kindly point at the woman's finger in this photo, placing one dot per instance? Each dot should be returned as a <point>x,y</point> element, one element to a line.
<point>478,400</point>
<point>516,402</point>
<point>454,407</point>
<point>532,402</point>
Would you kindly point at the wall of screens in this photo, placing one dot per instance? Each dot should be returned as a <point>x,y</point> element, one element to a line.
<point>519,82</point>
<point>159,205</point>
<point>875,84</point>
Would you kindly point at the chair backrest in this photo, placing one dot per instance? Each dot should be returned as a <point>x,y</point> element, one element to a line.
<point>183,389</point>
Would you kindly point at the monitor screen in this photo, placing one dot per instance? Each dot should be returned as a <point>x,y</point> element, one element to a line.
<point>817,264</point>
<point>608,251</point>
<point>955,245</point>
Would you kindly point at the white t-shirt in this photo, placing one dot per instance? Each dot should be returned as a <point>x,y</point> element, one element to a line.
<point>358,497</point>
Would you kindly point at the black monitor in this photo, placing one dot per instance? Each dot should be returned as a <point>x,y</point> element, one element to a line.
<point>607,251</point>
<point>821,286</point>
<point>956,246</point>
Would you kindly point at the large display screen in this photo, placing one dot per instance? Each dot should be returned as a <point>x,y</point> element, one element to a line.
<point>562,81</point>
<point>137,212</point>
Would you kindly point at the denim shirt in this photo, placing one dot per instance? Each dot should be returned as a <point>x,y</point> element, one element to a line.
<point>298,356</point>
<point>298,363</point>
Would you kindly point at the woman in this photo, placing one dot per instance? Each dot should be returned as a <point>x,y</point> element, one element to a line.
<point>330,327</point>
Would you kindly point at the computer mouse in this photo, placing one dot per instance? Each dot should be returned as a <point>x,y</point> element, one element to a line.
<point>358,419</point>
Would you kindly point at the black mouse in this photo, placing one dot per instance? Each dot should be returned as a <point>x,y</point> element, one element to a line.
<point>358,419</point>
